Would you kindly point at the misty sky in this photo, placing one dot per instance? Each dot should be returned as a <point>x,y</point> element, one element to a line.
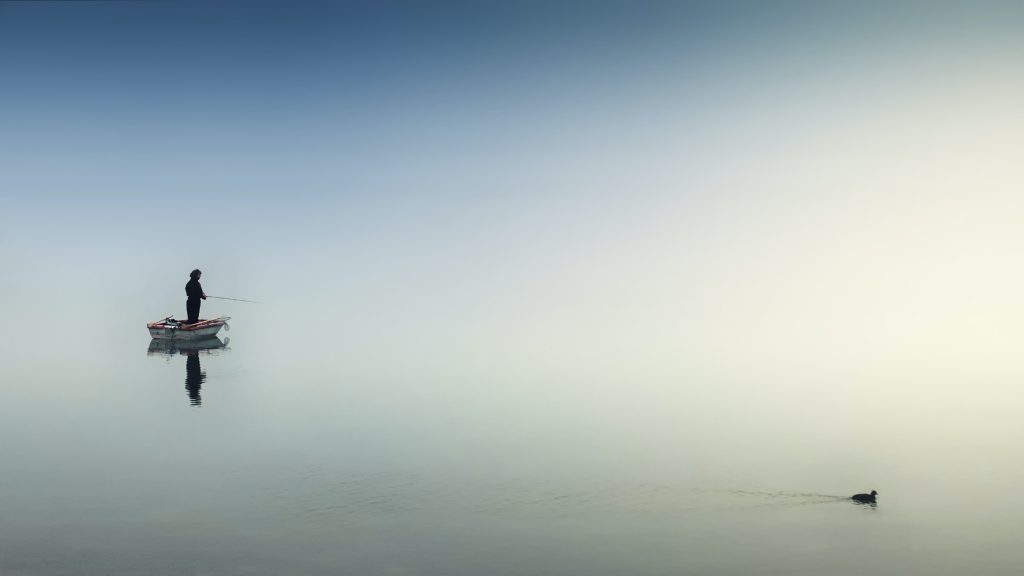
<point>739,186</point>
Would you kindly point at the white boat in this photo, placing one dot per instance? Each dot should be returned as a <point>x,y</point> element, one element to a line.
<point>171,329</point>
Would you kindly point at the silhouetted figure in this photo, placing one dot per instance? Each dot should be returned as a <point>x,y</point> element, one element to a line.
<point>865,498</point>
<point>194,291</point>
<point>194,378</point>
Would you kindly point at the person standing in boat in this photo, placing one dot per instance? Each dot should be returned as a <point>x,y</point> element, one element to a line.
<point>194,291</point>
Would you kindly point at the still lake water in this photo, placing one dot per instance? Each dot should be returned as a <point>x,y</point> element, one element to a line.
<point>295,455</point>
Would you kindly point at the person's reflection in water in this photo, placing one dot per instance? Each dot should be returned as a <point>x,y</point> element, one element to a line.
<point>194,378</point>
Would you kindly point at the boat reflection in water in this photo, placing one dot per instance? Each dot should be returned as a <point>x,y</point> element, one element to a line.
<point>192,350</point>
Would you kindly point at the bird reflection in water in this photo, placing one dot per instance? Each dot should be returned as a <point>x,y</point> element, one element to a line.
<point>195,376</point>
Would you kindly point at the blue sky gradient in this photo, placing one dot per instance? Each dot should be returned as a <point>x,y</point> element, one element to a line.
<point>227,100</point>
<point>645,181</point>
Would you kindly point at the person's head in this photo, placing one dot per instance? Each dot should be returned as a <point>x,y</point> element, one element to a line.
<point>196,274</point>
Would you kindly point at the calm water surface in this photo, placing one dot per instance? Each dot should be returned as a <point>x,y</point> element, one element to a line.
<point>288,455</point>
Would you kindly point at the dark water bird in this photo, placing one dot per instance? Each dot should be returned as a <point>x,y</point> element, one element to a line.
<point>869,498</point>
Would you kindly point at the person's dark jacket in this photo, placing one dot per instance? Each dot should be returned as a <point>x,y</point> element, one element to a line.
<point>194,290</point>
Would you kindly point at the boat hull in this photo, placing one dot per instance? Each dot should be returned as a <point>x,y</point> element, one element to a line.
<point>168,329</point>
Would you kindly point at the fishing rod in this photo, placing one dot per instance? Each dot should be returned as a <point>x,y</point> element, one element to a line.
<point>235,299</point>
